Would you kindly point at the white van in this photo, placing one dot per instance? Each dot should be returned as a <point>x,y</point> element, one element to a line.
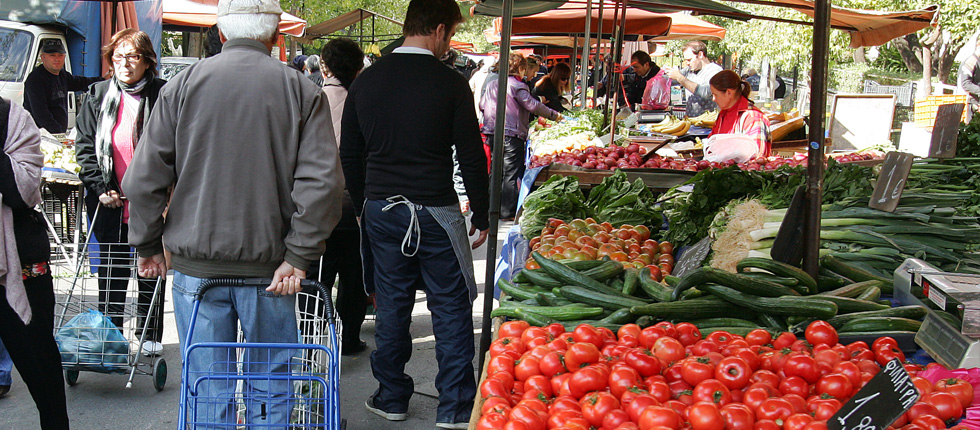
<point>20,48</point>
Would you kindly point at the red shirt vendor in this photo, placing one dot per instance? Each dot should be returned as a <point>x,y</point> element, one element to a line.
<point>739,115</point>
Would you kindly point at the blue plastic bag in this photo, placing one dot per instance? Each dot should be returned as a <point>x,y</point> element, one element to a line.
<point>91,340</point>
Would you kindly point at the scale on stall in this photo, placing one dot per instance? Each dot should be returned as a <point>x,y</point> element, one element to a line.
<point>651,116</point>
<point>950,333</point>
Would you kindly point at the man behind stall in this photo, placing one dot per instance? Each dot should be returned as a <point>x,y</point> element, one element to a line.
<point>46,88</point>
<point>398,164</point>
<point>694,76</point>
<point>645,70</point>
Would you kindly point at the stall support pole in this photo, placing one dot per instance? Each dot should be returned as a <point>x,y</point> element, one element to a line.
<point>573,64</point>
<point>815,153</point>
<point>609,119</point>
<point>598,51</point>
<point>585,52</point>
<point>496,174</point>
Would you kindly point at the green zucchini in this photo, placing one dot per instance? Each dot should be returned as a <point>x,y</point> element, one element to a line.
<point>621,316</point>
<point>853,289</point>
<point>671,280</point>
<point>565,274</point>
<point>846,305</point>
<point>574,311</point>
<point>748,284</point>
<point>517,292</point>
<point>855,273</point>
<point>738,330</point>
<point>605,271</point>
<point>773,322</point>
<point>872,294</point>
<point>789,282</point>
<point>631,280</point>
<point>550,299</point>
<point>693,279</point>
<point>541,279</point>
<point>582,265</point>
<point>723,322</point>
<point>654,289</point>
<point>915,312</point>
<point>591,297</point>
<point>617,284</point>
<point>532,318</point>
<point>786,305</point>
<point>520,277</point>
<point>703,307</point>
<point>881,324</point>
<point>805,283</point>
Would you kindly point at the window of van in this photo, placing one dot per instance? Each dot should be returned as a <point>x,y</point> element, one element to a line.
<point>15,54</point>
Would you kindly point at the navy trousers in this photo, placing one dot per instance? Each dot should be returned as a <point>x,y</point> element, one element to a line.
<point>435,268</point>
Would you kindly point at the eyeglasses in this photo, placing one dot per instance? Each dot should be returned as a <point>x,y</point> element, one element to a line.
<point>131,58</point>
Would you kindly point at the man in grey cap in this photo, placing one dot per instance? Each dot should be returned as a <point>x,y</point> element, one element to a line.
<point>255,195</point>
<point>46,88</point>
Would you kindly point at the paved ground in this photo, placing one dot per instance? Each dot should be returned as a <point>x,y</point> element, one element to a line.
<point>100,401</point>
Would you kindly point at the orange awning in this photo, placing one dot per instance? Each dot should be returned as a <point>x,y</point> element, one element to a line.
<point>569,19</point>
<point>869,27</point>
<point>688,27</point>
<point>202,13</point>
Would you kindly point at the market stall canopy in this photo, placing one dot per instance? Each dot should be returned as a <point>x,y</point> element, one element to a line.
<point>203,13</point>
<point>532,7</point>
<point>455,44</point>
<point>869,27</point>
<point>683,27</point>
<point>569,19</point>
<point>341,22</point>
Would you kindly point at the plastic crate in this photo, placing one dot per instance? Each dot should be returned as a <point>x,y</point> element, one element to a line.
<point>60,203</point>
<point>904,94</point>
<point>925,109</point>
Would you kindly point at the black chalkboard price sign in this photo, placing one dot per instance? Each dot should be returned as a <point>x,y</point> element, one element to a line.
<point>891,181</point>
<point>879,403</point>
<point>693,257</point>
<point>945,130</point>
<point>788,245</point>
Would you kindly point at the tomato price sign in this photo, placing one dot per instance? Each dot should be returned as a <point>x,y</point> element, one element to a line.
<point>876,406</point>
<point>693,257</point>
<point>945,130</point>
<point>891,181</point>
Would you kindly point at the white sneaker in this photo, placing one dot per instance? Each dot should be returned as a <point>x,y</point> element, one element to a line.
<point>151,348</point>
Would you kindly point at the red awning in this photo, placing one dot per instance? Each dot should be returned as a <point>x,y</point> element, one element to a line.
<point>570,19</point>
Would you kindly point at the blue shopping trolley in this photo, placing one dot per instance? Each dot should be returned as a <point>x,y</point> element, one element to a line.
<point>266,385</point>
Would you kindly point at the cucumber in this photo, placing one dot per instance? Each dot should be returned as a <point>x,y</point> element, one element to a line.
<point>654,289</point>
<point>773,322</point>
<point>532,318</point>
<point>799,327</point>
<point>574,311</point>
<point>693,279</point>
<point>517,292</point>
<point>591,297</point>
<point>703,307</point>
<point>581,265</point>
<point>723,322</point>
<point>737,330</point>
<point>846,305</point>
<point>617,284</point>
<point>645,321</point>
<point>631,280</point>
<point>872,294</point>
<point>550,299</point>
<point>621,316</point>
<point>541,279</point>
<point>605,271</point>
<point>571,325</point>
<point>789,282</point>
<point>565,274</point>
<point>855,273</point>
<point>805,283</point>
<point>748,284</point>
<point>828,280</point>
<point>520,277</point>
<point>881,324</point>
<point>787,305</point>
<point>853,289</point>
<point>915,312</point>
<point>671,280</point>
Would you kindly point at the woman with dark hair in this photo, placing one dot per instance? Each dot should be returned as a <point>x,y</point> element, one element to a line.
<point>110,123</point>
<point>340,62</point>
<point>738,114</point>
<point>551,87</point>
<point>520,105</point>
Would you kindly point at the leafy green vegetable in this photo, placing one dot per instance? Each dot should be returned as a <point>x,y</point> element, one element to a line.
<point>968,141</point>
<point>560,197</point>
<point>618,202</point>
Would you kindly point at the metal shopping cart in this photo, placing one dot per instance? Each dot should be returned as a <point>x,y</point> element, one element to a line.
<point>266,385</point>
<point>106,314</point>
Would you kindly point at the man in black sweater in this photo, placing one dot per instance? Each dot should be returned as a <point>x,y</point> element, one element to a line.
<point>46,88</point>
<point>399,168</point>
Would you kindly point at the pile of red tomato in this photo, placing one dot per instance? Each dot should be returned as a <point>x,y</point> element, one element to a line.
<point>666,377</point>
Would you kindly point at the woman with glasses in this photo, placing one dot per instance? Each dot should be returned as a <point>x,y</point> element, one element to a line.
<point>110,122</point>
<point>552,87</point>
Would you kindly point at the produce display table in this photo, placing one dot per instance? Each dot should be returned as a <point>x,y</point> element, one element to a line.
<point>658,180</point>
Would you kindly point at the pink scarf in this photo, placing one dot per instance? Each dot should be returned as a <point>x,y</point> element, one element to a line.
<point>23,146</point>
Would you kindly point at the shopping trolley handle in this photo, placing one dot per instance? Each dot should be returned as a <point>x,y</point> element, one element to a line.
<point>309,285</point>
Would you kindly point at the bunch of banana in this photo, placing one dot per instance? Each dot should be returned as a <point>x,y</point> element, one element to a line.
<point>673,126</point>
<point>706,119</point>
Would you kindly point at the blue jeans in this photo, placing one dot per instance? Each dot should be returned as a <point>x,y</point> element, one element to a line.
<point>436,269</point>
<point>6,366</point>
<point>264,318</point>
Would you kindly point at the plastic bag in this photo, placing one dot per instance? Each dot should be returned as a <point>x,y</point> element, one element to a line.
<point>723,147</point>
<point>90,339</point>
<point>656,95</point>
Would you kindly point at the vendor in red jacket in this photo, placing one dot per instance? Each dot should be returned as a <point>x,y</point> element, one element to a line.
<point>739,115</point>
